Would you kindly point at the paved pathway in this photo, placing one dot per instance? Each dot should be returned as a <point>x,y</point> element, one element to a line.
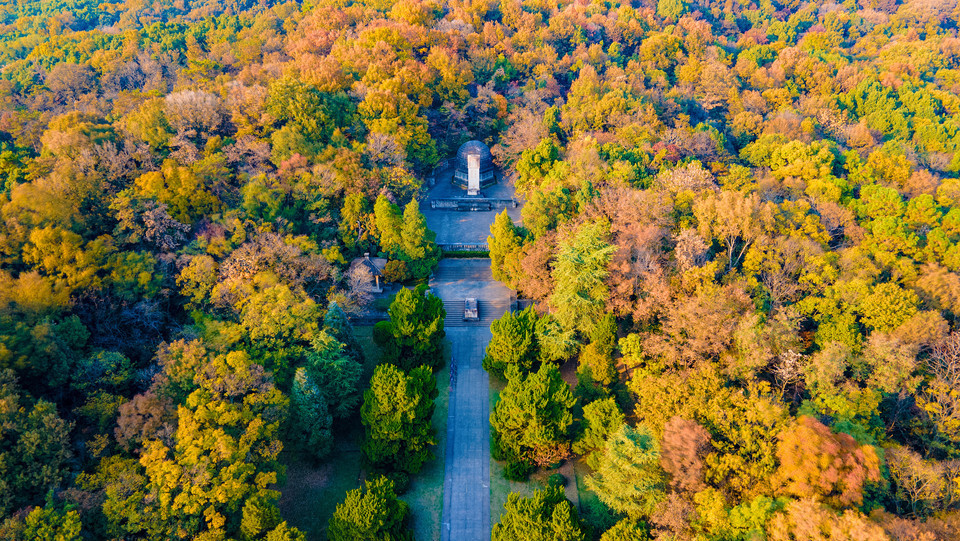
<point>466,486</point>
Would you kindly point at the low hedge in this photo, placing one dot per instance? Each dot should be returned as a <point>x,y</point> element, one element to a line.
<point>466,254</point>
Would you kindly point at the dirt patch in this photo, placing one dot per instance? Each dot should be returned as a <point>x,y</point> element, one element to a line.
<point>568,371</point>
<point>302,477</point>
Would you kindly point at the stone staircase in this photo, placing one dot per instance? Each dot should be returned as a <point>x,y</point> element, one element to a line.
<point>489,311</point>
<point>474,273</point>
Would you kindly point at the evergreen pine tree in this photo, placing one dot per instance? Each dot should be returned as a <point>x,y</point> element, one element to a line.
<point>285,533</point>
<point>418,247</point>
<point>335,373</point>
<point>310,420</point>
<point>336,324</point>
<point>414,335</point>
<point>600,419</point>
<point>51,524</point>
<point>371,513</point>
<point>354,215</point>
<point>532,419</point>
<point>506,247</point>
<point>596,359</point>
<point>553,341</point>
<point>389,223</point>
<point>514,343</point>
<point>580,274</point>
<point>397,412</point>
<point>545,515</point>
<point>629,479</point>
<point>626,530</point>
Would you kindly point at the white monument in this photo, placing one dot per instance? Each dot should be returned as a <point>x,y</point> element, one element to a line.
<point>473,175</point>
<point>474,167</point>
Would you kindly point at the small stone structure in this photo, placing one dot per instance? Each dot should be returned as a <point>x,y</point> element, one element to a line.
<point>474,167</point>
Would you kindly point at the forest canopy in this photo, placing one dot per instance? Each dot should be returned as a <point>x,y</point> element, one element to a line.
<point>740,227</point>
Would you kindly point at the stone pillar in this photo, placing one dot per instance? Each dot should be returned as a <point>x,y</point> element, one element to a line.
<point>473,175</point>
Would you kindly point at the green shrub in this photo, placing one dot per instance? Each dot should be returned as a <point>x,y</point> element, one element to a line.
<point>557,480</point>
<point>517,471</point>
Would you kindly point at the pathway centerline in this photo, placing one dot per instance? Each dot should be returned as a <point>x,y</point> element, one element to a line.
<point>466,487</point>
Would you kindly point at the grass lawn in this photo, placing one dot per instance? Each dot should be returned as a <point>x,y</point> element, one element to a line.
<point>383,303</point>
<point>371,353</point>
<point>311,491</point>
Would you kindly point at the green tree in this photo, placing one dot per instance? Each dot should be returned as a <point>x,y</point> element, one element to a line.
<point>316,114</point>
<point>389,226</point>
<point>282,532</point>
<point>545,515</point>
<point>34,446</point>
<point>41,353</point>
<point>181,362</point>
<point>671,10</point>
<point>336,324</point>
<point>133,276</point>
<point>600,419</point>
<point>148,124</point>
<point>580,274</point>
<point>51,524</point>
<point>535,163</point>
<point>546,209</point>
<point>335,373</point>
<point>553,341</point>
<point>626,530</point>
<point>397,412</point>
<point>288,141</point>
<point>373,513</point>
<point>506,250</point>
<point>514,343</point>
<point>418,248</point>
<point>357,224</point>
<point>596,358</point>
<point>13,162</point>
<point>531,421</point>
<point>630,479</point>
<point>310,419</point>
<point>414,335</point>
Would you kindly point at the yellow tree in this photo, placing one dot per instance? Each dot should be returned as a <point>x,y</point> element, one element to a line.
<point>735,219</point>
<point>224,456</point>
<point>181,189</point>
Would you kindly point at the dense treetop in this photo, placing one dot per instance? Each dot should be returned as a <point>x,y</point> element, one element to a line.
<point>740,221</point>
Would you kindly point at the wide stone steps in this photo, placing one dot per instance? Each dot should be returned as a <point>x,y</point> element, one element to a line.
<point>489,311</point>
<point>453,274</point>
